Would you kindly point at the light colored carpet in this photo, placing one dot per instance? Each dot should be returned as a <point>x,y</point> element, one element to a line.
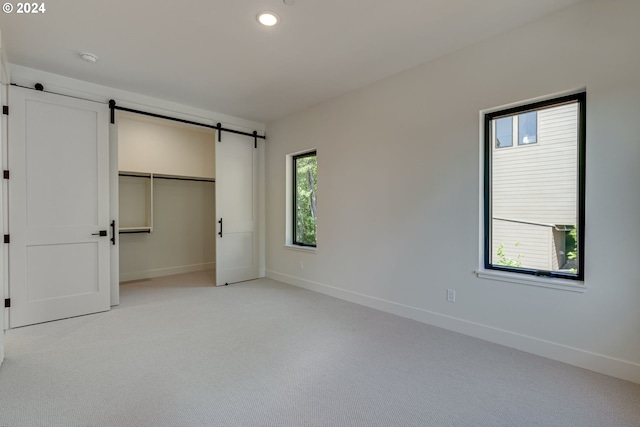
<point>180,352</point>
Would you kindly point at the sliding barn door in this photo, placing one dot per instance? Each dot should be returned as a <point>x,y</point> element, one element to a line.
<point>236,209</point>
<point>3,192</point>
<point>58,207</point>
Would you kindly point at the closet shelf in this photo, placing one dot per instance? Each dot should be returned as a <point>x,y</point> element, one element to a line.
<point>166,176</point>
<point>131,230</point>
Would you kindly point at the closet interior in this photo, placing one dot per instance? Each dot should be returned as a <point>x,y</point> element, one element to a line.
<point>167,219</point>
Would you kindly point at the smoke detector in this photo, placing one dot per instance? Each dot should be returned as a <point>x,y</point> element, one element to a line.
<point>89,57</point>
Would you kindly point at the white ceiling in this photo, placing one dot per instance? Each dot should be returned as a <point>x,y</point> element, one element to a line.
<point>212,54</point>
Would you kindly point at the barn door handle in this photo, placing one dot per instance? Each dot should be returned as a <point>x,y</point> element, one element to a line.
<point>101,233</point>
<point>220,232</point>
<point>113,232</point>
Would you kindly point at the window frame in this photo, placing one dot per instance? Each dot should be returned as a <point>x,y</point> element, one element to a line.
<point>580,99</point>
<point>294,198</point>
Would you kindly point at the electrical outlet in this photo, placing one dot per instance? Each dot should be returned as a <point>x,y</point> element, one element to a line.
<point>301,265</point>
<point>451,295</point>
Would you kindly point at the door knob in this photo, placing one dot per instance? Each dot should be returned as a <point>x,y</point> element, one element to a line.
<point>101,233</point>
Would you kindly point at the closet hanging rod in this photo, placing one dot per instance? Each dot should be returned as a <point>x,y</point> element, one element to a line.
<point>218,127</point>
<point>134,175</point>
<point>178,178</point>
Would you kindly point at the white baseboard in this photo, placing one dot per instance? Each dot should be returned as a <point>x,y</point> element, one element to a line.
<point>169,271</point>
<point>601,363</point>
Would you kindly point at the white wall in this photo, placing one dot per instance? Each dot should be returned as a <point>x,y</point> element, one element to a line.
<point>28,77</point>
<point>398,190</point>
<point>159,146</point>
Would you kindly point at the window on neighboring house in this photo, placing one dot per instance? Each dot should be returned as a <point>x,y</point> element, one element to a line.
<point>504,132</point>
<point>534,198</point>
<point>528,128</point>
<point>305,178</point>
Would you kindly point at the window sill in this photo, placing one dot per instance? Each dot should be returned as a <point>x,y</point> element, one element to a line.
<point>307,249</point>
<point>543,282</point>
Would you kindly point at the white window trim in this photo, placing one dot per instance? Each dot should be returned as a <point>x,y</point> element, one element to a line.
<point>307,249</point>
<point>288,233</point>
<point>523,279</point>
<point>507,276</point>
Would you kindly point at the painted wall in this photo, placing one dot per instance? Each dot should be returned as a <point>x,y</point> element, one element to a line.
<point>399,182</point>
<point>163,147</point>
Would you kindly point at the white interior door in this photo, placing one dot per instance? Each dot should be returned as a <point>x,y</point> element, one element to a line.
<point>3,206</point>
<point>236,209</point>
<point>58,202</point>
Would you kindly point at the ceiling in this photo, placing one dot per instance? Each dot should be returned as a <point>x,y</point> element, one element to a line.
<point>212,54</point>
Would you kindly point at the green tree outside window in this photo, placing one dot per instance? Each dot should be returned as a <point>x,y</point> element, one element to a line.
<point>305,187</point>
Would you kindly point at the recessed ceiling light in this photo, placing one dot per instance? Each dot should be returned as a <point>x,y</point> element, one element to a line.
<point>268,19</point>
<point>89,57</point>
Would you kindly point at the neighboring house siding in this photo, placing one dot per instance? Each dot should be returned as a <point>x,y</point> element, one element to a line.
<point>537,183</point>
<point>535,244</point>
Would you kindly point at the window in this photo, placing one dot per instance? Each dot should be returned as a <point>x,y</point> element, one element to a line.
<point>504,132</point>
<point>305,179</point>
<point>534,197</point>
<point>528,128</point>
<point>526,124</point>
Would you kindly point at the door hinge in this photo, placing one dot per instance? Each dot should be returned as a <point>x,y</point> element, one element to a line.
<point>6,174</point>
<point>5,110</point>
<point>7,239</point>
<point>7,302</point>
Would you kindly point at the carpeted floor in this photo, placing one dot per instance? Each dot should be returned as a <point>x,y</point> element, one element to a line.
<point>180,352</point>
